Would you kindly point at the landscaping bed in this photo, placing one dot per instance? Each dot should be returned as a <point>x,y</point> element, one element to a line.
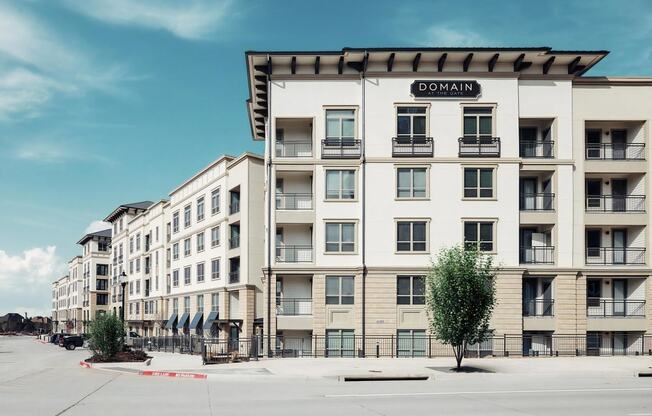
<point>121,357</point>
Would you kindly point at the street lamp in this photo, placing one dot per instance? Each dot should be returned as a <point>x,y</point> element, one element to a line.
<point>123,284</point>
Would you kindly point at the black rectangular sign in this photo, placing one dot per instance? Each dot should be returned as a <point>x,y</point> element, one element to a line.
<point>445,89</point>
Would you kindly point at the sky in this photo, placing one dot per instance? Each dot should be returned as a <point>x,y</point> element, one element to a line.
<point>104,102</point>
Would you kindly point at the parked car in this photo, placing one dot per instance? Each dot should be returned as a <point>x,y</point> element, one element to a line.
<point>55,337</point>
<point>71,342</point>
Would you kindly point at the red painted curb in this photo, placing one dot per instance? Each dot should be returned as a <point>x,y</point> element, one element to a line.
<point>85,364</point>
<point>171,374</point>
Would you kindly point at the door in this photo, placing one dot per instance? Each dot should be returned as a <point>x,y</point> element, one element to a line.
<point>546,289</point>
<point>619,242</point>
<point>281,202</point>
<point>593,295</point>
<point>619,143</point>
<point>619,296</point>
<point>529,297</point>
<point>594,195</point>
<point>234,338</point>
<point>619,194</point>
<point>546,186</point>
<point>619,343</point>
<point>526,245</point>
<point>528,141</point>
<point>528,194</point>
<point>280,253</point>
<point>593,144</point>
<point>594,247</point>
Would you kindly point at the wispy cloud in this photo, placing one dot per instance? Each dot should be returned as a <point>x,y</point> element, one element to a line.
<point>191,19</point>
<point>451,35</point>
<point>52,150</point>
<point>97,225</point>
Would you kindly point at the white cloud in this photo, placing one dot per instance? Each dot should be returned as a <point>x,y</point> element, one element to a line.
<point>54,150</point>
<point>30,269</point>
<point>449,35</point>
<point>97,225</point>
<point>190,19</point>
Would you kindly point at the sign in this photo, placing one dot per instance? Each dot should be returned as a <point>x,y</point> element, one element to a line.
<point>445,89</point>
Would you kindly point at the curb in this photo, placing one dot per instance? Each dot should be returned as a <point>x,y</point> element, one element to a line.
<point>153,373</point>
<point>85,364</point>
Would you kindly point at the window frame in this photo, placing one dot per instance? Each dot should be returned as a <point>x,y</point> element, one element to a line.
<point>215,209</point>
<point>187,216</point>
<point>187,275</point>
<point>175,278</point>
<point>342,222</point>
<point>219,269</point>
<point>398,168</point>
<point>478,221</point>
<point>200,208</point>
<point>411,296</point>
<point>175,222</point>
<point>426,114</point>
<point>478,188</point>
<point>411,221</point>
<point>342,169</point>
<point>339,297</point>
<point>201,277</point>
<point>200,238</point>
<point>216,243</point>
<point>328,109</point>
<point>477,135</point>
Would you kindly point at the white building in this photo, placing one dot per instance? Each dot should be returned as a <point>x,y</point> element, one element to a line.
<point>95,266</point>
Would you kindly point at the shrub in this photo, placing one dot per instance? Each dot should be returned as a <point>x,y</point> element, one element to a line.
<point>106,336</point>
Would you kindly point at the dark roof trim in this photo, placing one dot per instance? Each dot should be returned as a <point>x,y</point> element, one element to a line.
<point>98,235</point>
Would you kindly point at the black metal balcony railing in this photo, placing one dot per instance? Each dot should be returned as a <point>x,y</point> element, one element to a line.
<point>296,201</point>
<point>615,151</point>
<point>341,148</point>
<point>479,147</point>
<point>541,149</point>
<point>597,307</point>
<point>408,146</point>
<point>294,306</point>
<point>537,255</point>
<point>615,255</point>
<point>293,148</point>
<point>234,242</point>
<point>538,307</point>
<point>615,203</point>
<point>294,254</point>
<point>234,277</point>
<point>537,202</point>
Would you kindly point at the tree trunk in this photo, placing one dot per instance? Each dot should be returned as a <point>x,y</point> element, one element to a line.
<point>459,354</point>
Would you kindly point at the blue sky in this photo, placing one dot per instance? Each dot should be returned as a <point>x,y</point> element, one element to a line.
<point>111,101</point>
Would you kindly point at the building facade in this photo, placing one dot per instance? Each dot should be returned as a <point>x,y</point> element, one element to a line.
<point>95,267</point>
<point>381,157</point>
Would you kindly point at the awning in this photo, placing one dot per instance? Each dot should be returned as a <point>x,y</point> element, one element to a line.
<point>208,323</point>
<point>171,322</point>
<point>183,320</point>
<point>196,319</point>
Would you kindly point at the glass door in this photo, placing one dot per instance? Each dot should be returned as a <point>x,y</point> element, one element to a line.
<point>618,143</point>
<point>619,296</point>
<point>593,144</point>
<point>594,195</point>
<point>528,193</point>
<point>619,241</point>
<point>619,194</point>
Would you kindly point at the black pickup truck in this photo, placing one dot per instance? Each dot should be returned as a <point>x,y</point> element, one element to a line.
<point>71,342</point>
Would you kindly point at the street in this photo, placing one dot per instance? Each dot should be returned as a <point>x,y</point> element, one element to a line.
<point>43,379</point>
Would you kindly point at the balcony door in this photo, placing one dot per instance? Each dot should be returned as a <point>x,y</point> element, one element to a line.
<point>618,143</point>
<point>593,243</point>
<point>619,296</point>
<point>528,139</point>
<point>546,295</point>
<point>593,194</point>
<point>619,194</point>
<point>594,144</point>
<point>619,242</point>
<point>528,193</point>
<point>280,254</point>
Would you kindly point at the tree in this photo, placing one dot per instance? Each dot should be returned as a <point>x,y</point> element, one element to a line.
<point>460,296</point>
<point>106,336</point>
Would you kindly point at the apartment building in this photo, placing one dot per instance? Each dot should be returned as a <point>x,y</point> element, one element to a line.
<point>67,299</point>
<point>95,266</point>
<point>377,158</point>
<point>215,244</point>
<point>60,304</point>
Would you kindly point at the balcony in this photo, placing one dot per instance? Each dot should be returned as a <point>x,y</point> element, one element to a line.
<point>538,307</point>
<point>294,254</point>
<point>615,255</point>
<point>598,307</point>
<point>615,151</point>
<point>615,203</point>
<point>293,148</point>
<point>479,147</point>
<point>294,306</point>
<point>536,201</point>
<point>412,147</point>
<point>234,277</point>
<point>234,242</point>
<point>341,148</point>
<point>294,201</point>
<point>537,255</point>
<point>536,149</point>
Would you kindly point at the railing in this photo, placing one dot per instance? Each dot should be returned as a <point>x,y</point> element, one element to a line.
<point>615,151</point>
<point>234,277</point>
<point>294,306</point>
<point>479,147</point>
<point>537,255</point>
<point>294,254</point>
<point>615,203</point>
<point>538,307</point>
<point>234,207</point>
<point>340,149</point>
<point>295,201</point>
<point>293,149</point>
<point>537,202</point>
<point>234,242</point>
<point>542,149</point>
<point>412,147</point>
<point>615,255</point>
<point>597,307</point>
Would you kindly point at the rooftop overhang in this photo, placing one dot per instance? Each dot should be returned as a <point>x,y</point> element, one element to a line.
<point>262,66</point>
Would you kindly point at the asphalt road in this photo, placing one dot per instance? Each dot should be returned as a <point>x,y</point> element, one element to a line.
<point>38,379</point>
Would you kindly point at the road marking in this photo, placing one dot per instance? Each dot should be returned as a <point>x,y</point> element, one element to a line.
<point>450,393</point>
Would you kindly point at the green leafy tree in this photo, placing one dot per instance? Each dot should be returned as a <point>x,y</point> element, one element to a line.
<point>106,336</point>
<point>460,297</point>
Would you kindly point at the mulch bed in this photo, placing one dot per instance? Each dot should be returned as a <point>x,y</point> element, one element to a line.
<point>121,357</point>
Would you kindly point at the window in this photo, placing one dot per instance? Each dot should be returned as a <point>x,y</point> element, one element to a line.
<point>186,304</point>
<point>137,287</point>
<point>411,122</point>
<point>411,183</point>
<point>234,231</point>
<point>340,126</point>
<point>340,237</point>
<point>215,302</point>
<point>200,303</point>
<point>234,206</point>
<point>215,269</point>
<point>186,216</point>
<point>340,343</point>
<point>137,265</point>
<point>479,234</point>
<point>411,343</point>
<point>340,184</point>
<point>101,246</point>
<point>478,122</point>
<point>175,278</point>
<point>131,245</point>
<point>339,290</point>
<point>186,275</point>
<point>131,267</point>
<point>411,235</point>
<point>478,182</point>
<point>131,288</point>
<point>215,236</point>
<point>175,222</point>
<point>200,209</point>
<point>137,241</point>
<point>102,299</point>
<point>175,251</point>
<point>215,201</point>
<point>102,269</point>
<point>200,242</point>
<point>186,247</point>
<point>410,290</point>
<point>200,272</point>
<point>175,306</point>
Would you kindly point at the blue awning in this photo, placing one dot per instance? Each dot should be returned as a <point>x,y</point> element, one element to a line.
<point>208,323</point>
<point>196,319</point>
<point>171,322</point>
<point>183,320</point>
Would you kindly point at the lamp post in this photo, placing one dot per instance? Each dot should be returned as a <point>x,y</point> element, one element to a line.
<point>123,284</point>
